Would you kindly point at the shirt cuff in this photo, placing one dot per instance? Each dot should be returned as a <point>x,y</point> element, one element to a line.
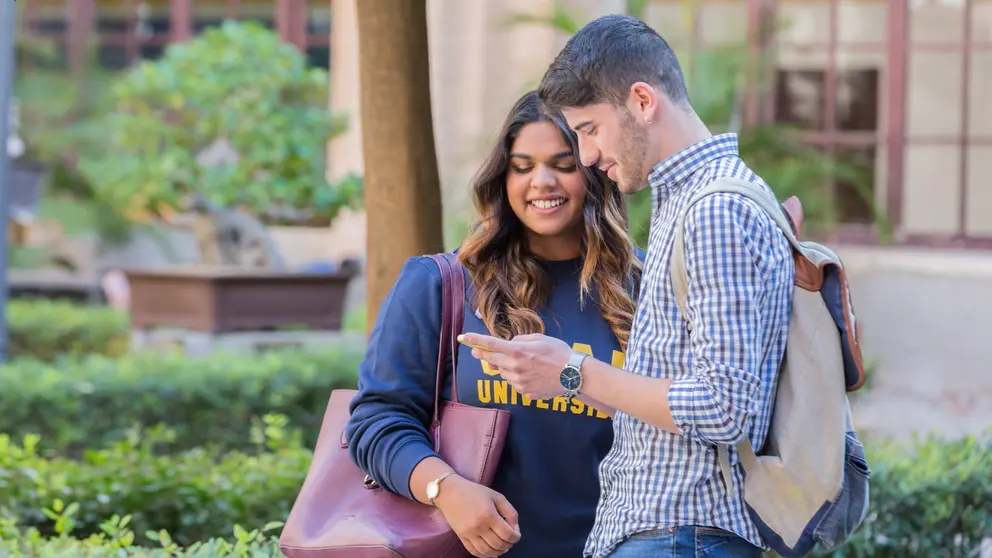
<point>703,417</point>
<point>404,462</point>
<point>687,402</point>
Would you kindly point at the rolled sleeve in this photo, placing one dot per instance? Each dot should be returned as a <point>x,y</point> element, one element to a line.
<point>725,236</point>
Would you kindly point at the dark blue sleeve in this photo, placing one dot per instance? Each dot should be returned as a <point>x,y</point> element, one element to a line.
<point>388,430</point>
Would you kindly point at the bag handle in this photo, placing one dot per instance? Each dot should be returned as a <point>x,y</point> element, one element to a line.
<point>452,320</point>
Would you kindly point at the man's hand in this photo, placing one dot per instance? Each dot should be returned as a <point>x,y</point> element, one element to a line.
<point>530,363</point>
<point>533,365</point>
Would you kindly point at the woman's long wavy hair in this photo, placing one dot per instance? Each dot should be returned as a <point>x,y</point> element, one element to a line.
<point>507,279</point>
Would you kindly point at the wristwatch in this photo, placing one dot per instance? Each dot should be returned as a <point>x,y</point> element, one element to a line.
<point>571,376</point>
<point>434,487</point>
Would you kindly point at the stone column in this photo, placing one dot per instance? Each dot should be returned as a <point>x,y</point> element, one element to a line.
<point>346,238</point>
<point>457,35</point>
<point>344,153</point>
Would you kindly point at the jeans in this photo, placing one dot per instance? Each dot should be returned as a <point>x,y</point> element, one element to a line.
<point>686,542</point>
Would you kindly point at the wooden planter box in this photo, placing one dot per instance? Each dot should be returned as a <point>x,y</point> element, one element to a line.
<point>222,300</point>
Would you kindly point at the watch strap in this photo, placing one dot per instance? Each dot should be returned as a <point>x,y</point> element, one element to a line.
<point>437,482</point>
<point>575,361</point>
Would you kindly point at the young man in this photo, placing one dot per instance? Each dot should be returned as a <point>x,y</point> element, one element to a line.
<point>684,391</point>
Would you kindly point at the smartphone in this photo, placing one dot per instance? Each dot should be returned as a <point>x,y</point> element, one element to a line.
<point>471,345</point>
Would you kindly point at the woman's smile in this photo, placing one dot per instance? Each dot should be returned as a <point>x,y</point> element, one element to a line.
<point>548,205</point>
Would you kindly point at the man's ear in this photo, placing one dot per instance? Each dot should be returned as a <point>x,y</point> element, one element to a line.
<point>643,102</point>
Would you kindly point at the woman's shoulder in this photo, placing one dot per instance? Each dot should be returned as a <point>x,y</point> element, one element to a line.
<point>424,266</point>
<point>418,274</point>
<point>424,271</point>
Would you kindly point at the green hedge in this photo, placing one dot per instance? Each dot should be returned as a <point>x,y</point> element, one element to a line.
<point>930,501</point>
<point>933,500</point>
<point>79,404</point>
<point>194,495</point>
<point>117,539</point>
<point>69,548</point>
<point>47,329</point>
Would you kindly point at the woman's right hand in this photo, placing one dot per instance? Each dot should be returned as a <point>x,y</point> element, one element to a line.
<point>482,518</point>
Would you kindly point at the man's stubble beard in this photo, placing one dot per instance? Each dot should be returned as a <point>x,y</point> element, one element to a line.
<point>631,156</point>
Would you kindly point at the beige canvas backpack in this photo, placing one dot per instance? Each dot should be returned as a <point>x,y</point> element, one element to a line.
<point>809,483</point>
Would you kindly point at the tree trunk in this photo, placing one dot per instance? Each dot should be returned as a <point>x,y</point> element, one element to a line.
<point>402,191</point>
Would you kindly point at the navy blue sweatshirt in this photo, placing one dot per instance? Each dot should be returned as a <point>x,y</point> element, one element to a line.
<point>549,467</point>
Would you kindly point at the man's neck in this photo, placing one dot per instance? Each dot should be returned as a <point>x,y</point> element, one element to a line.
<point>683,130</point>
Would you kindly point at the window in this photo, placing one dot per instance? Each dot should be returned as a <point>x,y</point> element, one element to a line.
<point>801,101</point>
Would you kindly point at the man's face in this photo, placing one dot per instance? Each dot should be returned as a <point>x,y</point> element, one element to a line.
<point>613,140</point>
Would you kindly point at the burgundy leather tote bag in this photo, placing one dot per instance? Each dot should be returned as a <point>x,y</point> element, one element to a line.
<point>342,513</point>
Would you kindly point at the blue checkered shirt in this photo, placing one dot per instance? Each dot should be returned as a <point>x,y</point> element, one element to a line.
<point>724,373</point>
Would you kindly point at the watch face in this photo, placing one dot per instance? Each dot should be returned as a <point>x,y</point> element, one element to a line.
<point>570,378</point>
<point>432,490</point>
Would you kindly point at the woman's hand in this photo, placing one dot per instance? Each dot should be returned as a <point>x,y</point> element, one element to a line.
<point>482,518</point>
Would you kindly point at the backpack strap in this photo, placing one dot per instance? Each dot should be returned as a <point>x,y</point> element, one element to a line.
<point>680,275</point>
<point>750,190</point>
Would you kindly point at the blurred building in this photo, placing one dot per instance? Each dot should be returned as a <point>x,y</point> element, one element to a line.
<point>906,83</point>
<point>125,31</point>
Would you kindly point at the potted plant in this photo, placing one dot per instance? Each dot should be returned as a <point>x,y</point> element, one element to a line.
<point>235,116</point>
<point>230,130</point>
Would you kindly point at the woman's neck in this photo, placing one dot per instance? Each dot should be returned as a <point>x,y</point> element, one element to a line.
<point>555,248</point>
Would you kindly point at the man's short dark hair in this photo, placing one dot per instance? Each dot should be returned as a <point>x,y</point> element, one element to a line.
<point>606,57</point>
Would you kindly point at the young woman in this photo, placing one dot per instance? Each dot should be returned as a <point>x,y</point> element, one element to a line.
<point>550,255</point>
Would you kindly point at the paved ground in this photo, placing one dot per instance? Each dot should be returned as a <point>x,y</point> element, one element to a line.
<point>927,320</point>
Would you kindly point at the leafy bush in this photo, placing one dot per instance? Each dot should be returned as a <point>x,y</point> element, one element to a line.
<point>211,400</point>
<point>47,329</point>
<point>195,495</point>
<point>117,539</point>
<point>934,500</point>
<point>929,501</point>
<point>234,116</point>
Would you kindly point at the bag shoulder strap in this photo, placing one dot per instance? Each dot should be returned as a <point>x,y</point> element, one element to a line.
<point>754,192</point>
<point>452,320</point>
<point>680,275</point>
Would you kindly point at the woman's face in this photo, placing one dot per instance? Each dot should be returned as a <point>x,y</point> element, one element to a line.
<point>547,190</point>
